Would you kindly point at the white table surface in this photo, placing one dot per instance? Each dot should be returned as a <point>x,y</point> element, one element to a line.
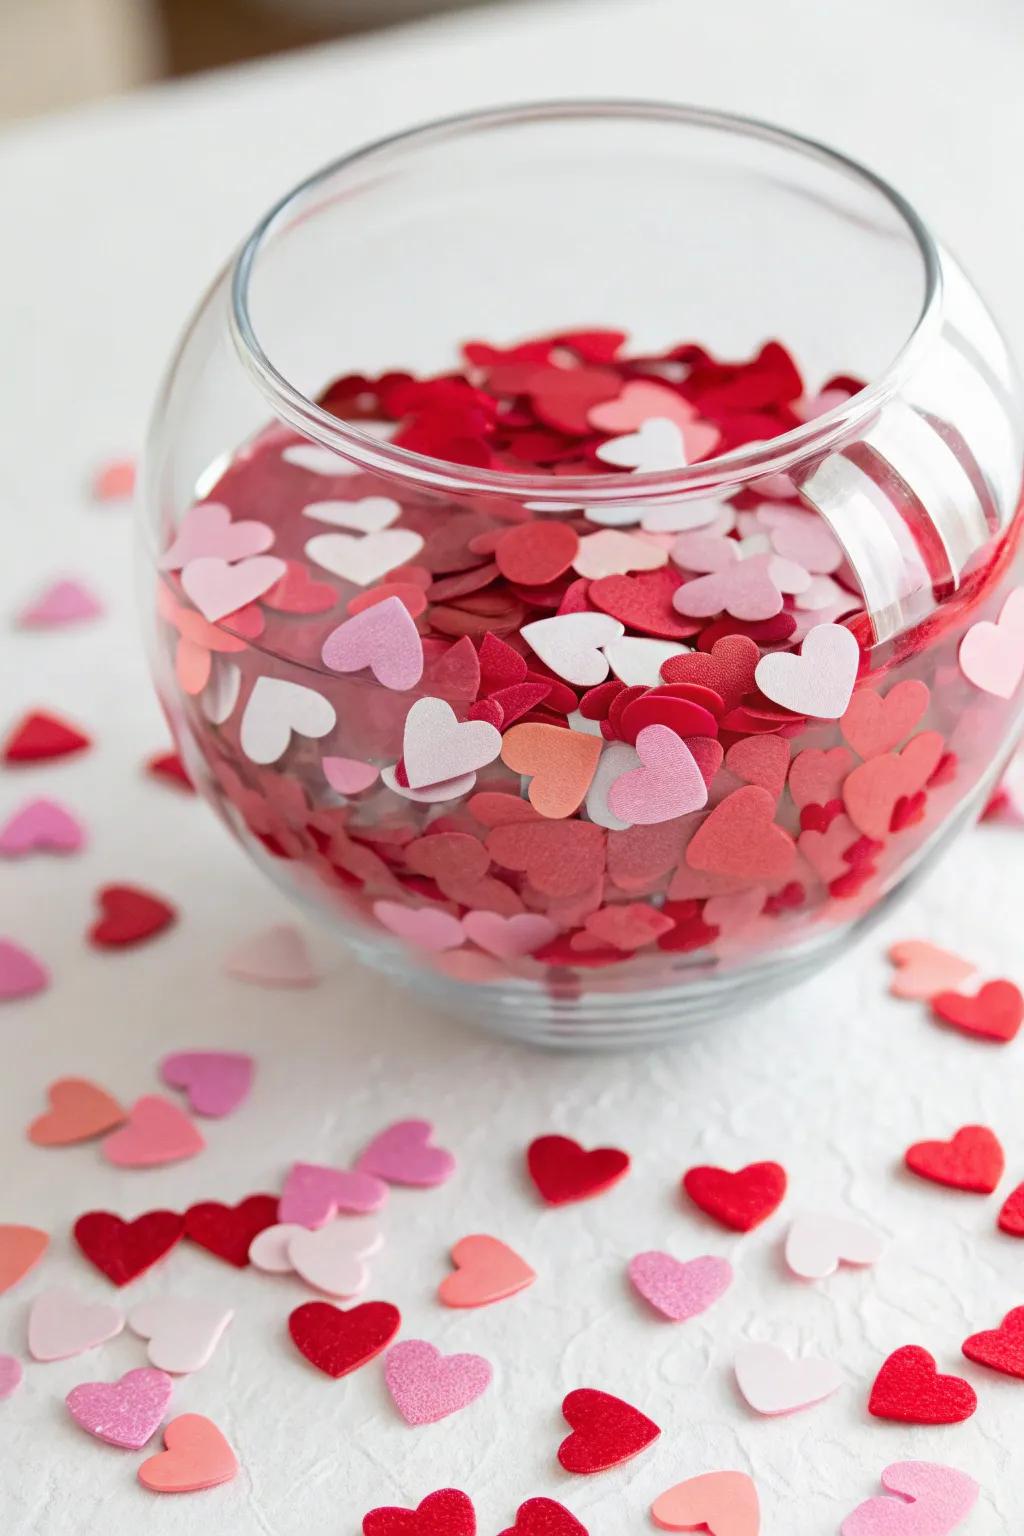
<point>115,218</point>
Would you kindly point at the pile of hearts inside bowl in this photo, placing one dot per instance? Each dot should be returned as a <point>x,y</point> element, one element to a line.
<point>527,737</point>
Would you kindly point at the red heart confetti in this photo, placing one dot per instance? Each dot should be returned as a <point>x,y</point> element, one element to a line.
<point>129,916</point>
<point>1011,1216</point>
<point>40,736</point>
<point>741,1200</point>
<point>605,1431</point>
<point>994,1013</point>
<point>445,1513</point>
<point>338,1341</point>
<point>123,1250</point>
<point>563,1172</point>
<point>169,767</point>
<point>909,1389</point>
<point>1002,1348</point>
<point>973,1160</point>
<point>228,1230</point>
<point>544,1517</point>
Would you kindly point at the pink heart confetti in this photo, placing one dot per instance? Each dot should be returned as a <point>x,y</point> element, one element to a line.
<point>426,1385</point>
<point>610,553</point>
<point>313,1194</point>
<point>274,957</point>
<point>21,974</point>
<point>364,558</point>
<point>429,928</point>
<point>404,1153</point>
<point>923,969</point>
<point>750,589</point>
<point>819,682</point>
<point>992,655</point>
<point>207,532</point>
<point>330,1258</point>
<point>348,775</point>
<point>268,1250</point>
<point>11,1376</point>
<point>114,480</point>
<point>319,461</point>
<point>61,1324</point>
<point>182,1332</point>
<point>509,938</point>
<point>275,709</point>
<point>816,1245</point>
<point>437,747</point>
<point>216,1082</point>
<point>60,604</point>
<point>384,639</point>
<point>773,1383</point>
<point>156,1132</point>
<point>639,401</point>
<point>802,537</point>
<point>940,1499</point>
<point>723,1503</point>
<point>217,588</point>
<point>125,1413</point>
<point>371,514</point>
<point>41,826</point>
<point>667,784</point>
<point>679,1289</point>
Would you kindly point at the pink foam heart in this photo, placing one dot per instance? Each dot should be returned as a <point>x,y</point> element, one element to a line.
<point>404,1153</point>
<point>940,1499</point>
<point>773,1383</point>
<point>640,400</point>
<point>722,1503</point>
<point>183,1332</point>
<point>216,1082</point>
<point>269,1249</point>
<point>64,602</point>
<point>611,553</point>
<point>924,969</point>
<point>429,928</point>
<point>41,826</point>
<point>331,1258</point>
<point>817,1244</point>
<point>155,1132</point>
<point>802,537</point>
<point>436,746</point>
<point>509,938</point>
<point>383,638</point>
<point>61,1324</point>
<point>126,1413</point>
<point>427,1386</point>
<point>312,1194</point>
<point>819,682</point>
<point>275,957</point>
<point>11,1376</point>
<point>217,588</point>
<point>206,530</point>
<point>21,974</point>
<point>749,589</point>
<point>667,784</point>
<point>348,775</point>
<point>676,1288</point>
<point>992,655</point>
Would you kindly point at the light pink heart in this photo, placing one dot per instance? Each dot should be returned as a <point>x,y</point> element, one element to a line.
<point>509,938</point>
<point>125,1413</point>
<point>216,1082</point>
<point>348,775</point>
<point>155,1132</point>
<point>11,1376</point>
<point>312,1194</point>
<point>817,1244</point>
<point>41,826</point>
<point>428,928</point>
<point>65,602</point>
<point>331,1259</point>
<point>992,655</point>
<point>750,589</point>
<point>275,957</point>
<point>940,1499</point>
<point>924,969</point>
<point>427,1386</point>
<point>667,784</point>
<point>703,551</point>
<point>819,682</point>
<point>404,1153</point>
<point>679,1289</point>
<point>217,588</point>
<point>383,638</point>
<point>21,974</point>
<point>182,1332</point>
<point>773,1383</point>
<point>640,400</point>
<point>802,537</point>
<point>723,1503</point>
<point>207,531</point>
<point>268,1250</point>
<point>61,1324</point>
<point>437,746</point>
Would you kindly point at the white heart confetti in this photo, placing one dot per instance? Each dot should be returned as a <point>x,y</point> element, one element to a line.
<point>275,709</point>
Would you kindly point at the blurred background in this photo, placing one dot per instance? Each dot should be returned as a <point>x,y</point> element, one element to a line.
<point>55,53</point>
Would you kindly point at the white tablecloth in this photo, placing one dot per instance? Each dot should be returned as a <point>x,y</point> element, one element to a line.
<point>115,218</point>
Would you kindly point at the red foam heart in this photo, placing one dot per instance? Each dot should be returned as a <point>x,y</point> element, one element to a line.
<point>995,1012</point>
<point>39,736</point>
<point>605,1431</point>
<point>728,667</point>
<point>501,666</point>
<point>762,760</point>
<point>445,1513</point>
<point>532,554</point>
<point>544,1517</point>
<point>909,1389</point>
<point>973,1160</point>
<point>1002,1348</point>
<point>338,1341</point>
<point>560,858</point>
<point>656,707</point>
<point>123,1250</point>
<point>228,1230</point>
<point>644,603</point>
<point>740,1200</point>
<point>873,725</point>
<point>130,915</point>
<point>1011,1216</point>
<point>740,838</point>
<point>169,766</point>
<point>562,1171</point>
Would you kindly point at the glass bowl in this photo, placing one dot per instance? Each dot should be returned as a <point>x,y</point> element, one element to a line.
<point>507,891</point>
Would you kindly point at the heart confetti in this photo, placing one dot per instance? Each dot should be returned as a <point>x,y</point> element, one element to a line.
<point>741,1200</point>
<point>722,1503</point>
<point>41,826</point>
<point>426,1385</point>
<point>995,1012</point>
<point>125,1413</point>
<point>437,746</point>
<point>313,1193</point>
<point>992,655</point>
<point>228,1231</point>
<point>21,1248</point>
<point>973,1160</point>
<point>819,682</point>
<point>1011,1216</point>
<point>680,1289</point>
<point>274,957</point>
<point>445,1513</point>
<point>61,1324</point>
<point>563,1172</point>
<point>182,1334</point>
<point>486,1270</point>
<point>155,1132</point>
<point>773,1383</point>
<point>605,1431</point>
<point>11,1376</point>
<point>275,709</point>
<point>404,1153</point>
<point>559,763</point>
<point>123,1250</point>
<point>215,1082</point>
<point>197,1456</point>
<point>21,974</point>
<point>922,969</point>
<point>544,1517</point>
<point>1002,1348</point>
<point>330,1258</point>
<point>60,604</point>
<point>816,1245</point>
<point>909,1389</point>
<point>338,1341</point>
<point>129,916</point>
<point>383,639</point>
<point>930,1500</point>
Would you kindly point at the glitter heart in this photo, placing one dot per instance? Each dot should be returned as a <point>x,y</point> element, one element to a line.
<point>437,747</point>
<point>61,1324</point>
<point>445,1513</point>
<point>667,784</point>
<point>182,1332</point>
<point>427,1386</point>
<point>125,1413</point>
<point>973,1160</point>
<point>723,1503</point>
<point>563,1171</point>
<point>605,1431</point>
<point>909,1389</point>
<point>992,655</point>
<point>21,974</point>
<point>676,1288</point>
<point>217,588</point>
<point>155,1132</point>
<point>940,1498</point>
<point>818,682</point>
<point>486,1270</point>
<point>275,709</point>
<point>313,1194</point>
<point>570,644</point>
<point>772,1383</point>
<point>383,638</point>
<point>364,559</point>
<point>62,603</point>
<point>817,1245</point>
<point>215,1082</point>
<point>207,531</point>
<point>404,1153</point>
<point>741,1200</point>
<point>21,1248</point>
<point>559,763</point>
<point>1002,1348</point>
<point>544,1517</point>
<point>337,1341</point>
<point>923,969</point>
<point>197,1456</point>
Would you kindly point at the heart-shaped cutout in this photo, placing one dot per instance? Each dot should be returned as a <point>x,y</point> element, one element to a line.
<point>61,1324</point>
<point>384,639</point>
<point>155,1132</point>
<point>215,1082</point>
<point>183,1332</point>
<point>679,1289</point>
<point>274,710</point>
<point>78,1111</point>
<point>486,1270</point>
<point>125,1413</point>
<point>197,1456</point>
<point>405,1153</point>
<point>426,1386</point>
<point>722,1503</point>
<point>559,763</point>
<point>667,784</point>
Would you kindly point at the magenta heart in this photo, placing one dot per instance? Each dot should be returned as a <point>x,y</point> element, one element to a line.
<point>207,529</point>
<point>405,1154</point>
<point>41,825</point>
<point>11,1374</point>
<point>427,1386</point>
<point>313,1194</point>
<point>217,588</point>
<point>216,1081</point>
<point>667,784</point>
<point>940,1498</point>
<point>679,1289</point>
<point>384,638</point>
<point>21,974</point>
<point>65,602</point>
<point>126,1412</point>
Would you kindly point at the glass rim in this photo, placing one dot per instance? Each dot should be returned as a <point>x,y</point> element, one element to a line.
<point>776,455</point>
